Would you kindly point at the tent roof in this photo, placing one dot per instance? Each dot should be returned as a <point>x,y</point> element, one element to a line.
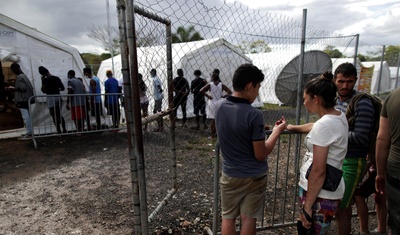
<point>41,37</point>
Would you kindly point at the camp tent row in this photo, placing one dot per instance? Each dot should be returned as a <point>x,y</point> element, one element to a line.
<point>31,49</point>
<point>204,55</point>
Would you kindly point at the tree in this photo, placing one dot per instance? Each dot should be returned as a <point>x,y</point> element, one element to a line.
<point>100,34</point>
<point>93,60</point>
<point>186,35</point>
<point>332,52</point>
<point>392,54</point>
<point>258,46</point>
<point>361,57</point>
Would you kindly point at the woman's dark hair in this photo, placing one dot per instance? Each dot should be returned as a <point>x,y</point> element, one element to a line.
<point>324,87</point>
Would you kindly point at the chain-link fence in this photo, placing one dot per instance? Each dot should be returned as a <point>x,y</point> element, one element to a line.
<point>233,35</point>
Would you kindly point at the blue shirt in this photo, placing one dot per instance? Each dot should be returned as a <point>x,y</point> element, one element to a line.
<point>111,86</point>
<point>97,98</point>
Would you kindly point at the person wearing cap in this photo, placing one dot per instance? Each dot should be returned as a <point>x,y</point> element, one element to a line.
<point>95,100</point>
<point>112,101</point>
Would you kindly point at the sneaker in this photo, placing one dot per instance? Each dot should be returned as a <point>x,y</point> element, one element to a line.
<point>26,137</point>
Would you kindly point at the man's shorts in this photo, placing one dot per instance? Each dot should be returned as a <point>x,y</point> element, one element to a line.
<point>353,170</point>
<point>242,196</point>
<point>77,112</point>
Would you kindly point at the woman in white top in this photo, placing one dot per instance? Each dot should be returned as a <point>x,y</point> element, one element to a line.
<point>216,89</point>
<point>326,143</point>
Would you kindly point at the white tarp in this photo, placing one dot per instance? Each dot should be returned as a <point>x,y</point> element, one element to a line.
<point>33,49</point>
<point>204,55</point>
<point>382,82</point>
<point>394,77</point>
<point>385,83</point>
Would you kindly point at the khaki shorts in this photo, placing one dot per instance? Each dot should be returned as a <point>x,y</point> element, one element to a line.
<point>242,196</point>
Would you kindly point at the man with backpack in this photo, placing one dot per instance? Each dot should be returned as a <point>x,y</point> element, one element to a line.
<point>361,122</point>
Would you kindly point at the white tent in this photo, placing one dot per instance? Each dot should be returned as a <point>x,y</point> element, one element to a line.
<point>275,62</point>
<point>338,61</point>
<point>382,82</point>
<point>204,55</point>
<point>394,76</point>
<point>31,49</point>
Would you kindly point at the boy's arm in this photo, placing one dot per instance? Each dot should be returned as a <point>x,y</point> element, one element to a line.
<point>263,148</point>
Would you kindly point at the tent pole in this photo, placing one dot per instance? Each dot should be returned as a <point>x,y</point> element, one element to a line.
<point>380,70</point>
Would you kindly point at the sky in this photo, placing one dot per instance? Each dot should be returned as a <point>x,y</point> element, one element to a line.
<point>68,21</point>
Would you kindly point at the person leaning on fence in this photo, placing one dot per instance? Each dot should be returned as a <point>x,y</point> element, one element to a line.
<point>158,97</point>
<point>78,103</point>
<point>326,144</point>
<point>354,165</point>
<point>199,103</point>
<point>181,89</point>
<point>241,135</point>
<point>144,99</point>
<point>96,106</point>
<point>216,89</point>
<point>388,158</point>
<point>23,91</point>
<point>52,85</point>
<point>112,101</point>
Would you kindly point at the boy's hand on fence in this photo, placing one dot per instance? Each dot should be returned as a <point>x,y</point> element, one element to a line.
<point>280,124</point>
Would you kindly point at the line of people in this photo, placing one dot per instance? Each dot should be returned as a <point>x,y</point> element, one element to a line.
<point>334,163</point>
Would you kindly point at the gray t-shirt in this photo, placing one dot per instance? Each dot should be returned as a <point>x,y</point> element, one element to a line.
<point>238,125</point>
<point>77,88</point>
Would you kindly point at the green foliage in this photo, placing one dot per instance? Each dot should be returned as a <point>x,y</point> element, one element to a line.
<point>258,46</point>
<point>186,35</point>
<point>332,52</point>
<point>93,61</point>
<point>392,54</point>
<point>362,58</point>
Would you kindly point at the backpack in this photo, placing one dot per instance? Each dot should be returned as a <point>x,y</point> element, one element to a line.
<point>377,104</point>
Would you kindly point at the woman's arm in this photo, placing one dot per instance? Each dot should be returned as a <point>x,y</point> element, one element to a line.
<point>304,128</point>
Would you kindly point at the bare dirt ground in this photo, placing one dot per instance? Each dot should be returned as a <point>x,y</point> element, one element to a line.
<point>82,185</point>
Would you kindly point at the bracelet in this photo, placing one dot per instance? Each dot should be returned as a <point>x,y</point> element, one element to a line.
<point>308,217</point>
